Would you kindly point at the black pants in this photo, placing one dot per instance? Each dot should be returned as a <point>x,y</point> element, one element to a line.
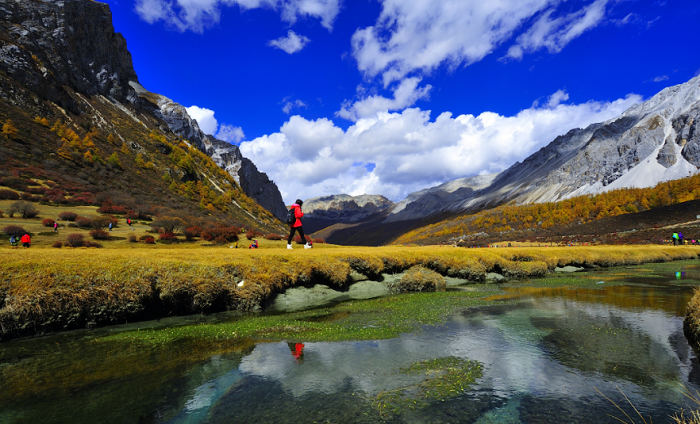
<point>291,234</point>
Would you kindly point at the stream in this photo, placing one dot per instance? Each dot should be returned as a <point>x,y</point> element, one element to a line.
<point>550,351</point>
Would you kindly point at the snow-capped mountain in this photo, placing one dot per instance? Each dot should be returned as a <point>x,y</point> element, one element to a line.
<point>654,141</point>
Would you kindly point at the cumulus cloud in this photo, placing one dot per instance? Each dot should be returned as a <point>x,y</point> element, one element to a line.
<point>205,119</point>
<point>410,151</point>
<point>290,105</point>
<point>230,133</point>
<point>421,35</point>
<point>406,94</point>
<point>197,15</point>
<point>555,33</point>
<point>292,43</point>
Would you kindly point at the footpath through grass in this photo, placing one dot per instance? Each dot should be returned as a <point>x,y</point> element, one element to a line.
<point>43,290</point>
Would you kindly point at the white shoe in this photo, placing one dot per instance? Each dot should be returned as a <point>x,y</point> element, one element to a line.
<point>289,246</point>
<point>307,246</point>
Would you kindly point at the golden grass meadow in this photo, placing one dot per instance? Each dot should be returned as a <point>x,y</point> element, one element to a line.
<point>47,290</point>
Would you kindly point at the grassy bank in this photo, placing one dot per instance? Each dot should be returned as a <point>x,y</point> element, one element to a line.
<point>43,290</point>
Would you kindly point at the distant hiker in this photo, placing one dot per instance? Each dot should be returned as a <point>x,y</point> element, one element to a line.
<point>128,221</point>
<point>675,239</point>
<point>254,245</point>
<point>294,221</point>
<point>110,226</point>
<point>680,238</point>
<point>14,241</point>
<point>26,240</point>
<point>236,245</point>
<point>55,227</point>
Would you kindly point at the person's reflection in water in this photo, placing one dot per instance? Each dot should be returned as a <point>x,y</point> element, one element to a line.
<point>297,351</point>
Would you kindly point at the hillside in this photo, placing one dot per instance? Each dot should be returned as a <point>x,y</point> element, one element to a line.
<point>77,132</point>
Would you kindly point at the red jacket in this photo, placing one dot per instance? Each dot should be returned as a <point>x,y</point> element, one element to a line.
<point>25,239</point>
<point>297,214</point>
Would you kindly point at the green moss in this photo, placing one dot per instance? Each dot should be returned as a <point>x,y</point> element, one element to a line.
<point>445,378</point>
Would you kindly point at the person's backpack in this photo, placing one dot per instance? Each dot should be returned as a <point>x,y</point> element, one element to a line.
<point>291,217</point>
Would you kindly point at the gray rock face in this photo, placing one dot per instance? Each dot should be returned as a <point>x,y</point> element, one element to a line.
<point>51,47</point>
<point>651,142</point>
<point>72,43</point>
<point>345,208</point>
<point>255,184</point>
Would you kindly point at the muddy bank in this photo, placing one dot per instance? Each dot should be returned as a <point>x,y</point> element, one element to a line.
<point>48,290</point>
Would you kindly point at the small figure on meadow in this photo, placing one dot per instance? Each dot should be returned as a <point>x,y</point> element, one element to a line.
<point>110,227</point>
<point>675,239</point>
<point>14,241</point>
<point>128,221</point>
<point>55,227</point>
<point>294,221</point>
<point>254,245</point>
<point>26,240</point>
<point>680,238</point>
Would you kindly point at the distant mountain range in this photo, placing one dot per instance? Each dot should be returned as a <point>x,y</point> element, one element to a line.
<point>655,141</point>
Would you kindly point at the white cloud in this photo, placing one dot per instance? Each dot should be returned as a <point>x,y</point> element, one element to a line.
<point>406,94</point>
<point>661,78</point>
<point>230,133</point>
<point>557,98</point>
<point>555,33</point>
<point>290,105</point>
<point>292,43</point>
<point>197,15</point>
<point>204,117</point>
<point>313,158</point>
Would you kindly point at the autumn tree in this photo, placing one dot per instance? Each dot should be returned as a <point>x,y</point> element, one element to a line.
<point>9,130</point>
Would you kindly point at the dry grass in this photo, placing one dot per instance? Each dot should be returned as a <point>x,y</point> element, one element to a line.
<point>46,289</point>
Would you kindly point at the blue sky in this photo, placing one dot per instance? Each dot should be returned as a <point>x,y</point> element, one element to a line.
<point>392,96</point>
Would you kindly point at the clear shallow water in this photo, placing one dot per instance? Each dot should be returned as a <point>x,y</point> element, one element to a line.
<point>545,349</point>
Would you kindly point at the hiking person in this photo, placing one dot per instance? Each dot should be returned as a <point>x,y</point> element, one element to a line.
<point>26,240</point>
<point>254,245</point>
<point>110,227</point>
<point>128,221</point>
<point>675,239</point>
<point>14,241</point>
<point>680,238</point>
<point>294,221</point>
<point>55,227</point>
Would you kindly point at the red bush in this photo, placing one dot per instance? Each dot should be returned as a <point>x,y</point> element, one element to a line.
<point>319,240</point>
<point>58,244</point>
<point>297,239</point>
<point>90,243</point>
<point>220,240</point>
<point>68,216</point>
<point>74,240</point>
<point>229,234</point>
<point>192,232</point>
<point>48,222</point>
<point>148,240</point>
<point>99,234</point>
<point>169,237</point>
<point>6,194</point>
<point>273,236</point>
<point>83,222</point>
<point>14,230</point>
<point>107,207</point>
<point>252,234</point>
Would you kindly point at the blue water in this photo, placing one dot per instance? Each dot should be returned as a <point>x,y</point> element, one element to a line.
<point>549,355</point>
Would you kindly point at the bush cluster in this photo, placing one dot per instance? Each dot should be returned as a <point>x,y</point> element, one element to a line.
<point>14,230</point>
<point>253,233</point>
<point>273,236</point>
<point>67,216</point>
<point>221,235</point>
<point>26,209</point>
<point>99,234</point>
<point>6,194</point>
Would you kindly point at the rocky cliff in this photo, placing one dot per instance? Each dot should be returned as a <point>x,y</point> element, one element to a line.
<point>651,142</point>
<point>66,52</point>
